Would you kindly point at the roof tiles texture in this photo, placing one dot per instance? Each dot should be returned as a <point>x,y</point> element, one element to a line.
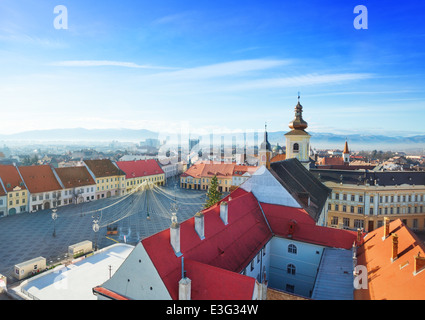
<point>140,168</point>
<point>103,168</point>
<point>221,170</point>
<point>39,178</point>
<point>11,178</point>
<point>74,177</point>
<point>387,279</point>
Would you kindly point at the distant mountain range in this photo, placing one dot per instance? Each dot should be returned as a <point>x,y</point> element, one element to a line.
<point>318,140</point>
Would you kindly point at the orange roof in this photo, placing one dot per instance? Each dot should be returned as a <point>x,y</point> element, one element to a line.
<point>39,179</point>
<point>346,148</point>
<point>74,177</point>
<point>11,178</point>
<point>331,161</point>
<point>278,157</point>
<point>386,279</point>
<point>240,170</point>
<point>210,169</point>
<point>194,171</point>
<point>2,191</point>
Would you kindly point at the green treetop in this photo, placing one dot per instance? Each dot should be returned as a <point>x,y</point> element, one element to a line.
<point>213,195</point>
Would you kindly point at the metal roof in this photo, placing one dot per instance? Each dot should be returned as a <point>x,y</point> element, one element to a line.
<point>334,279</point>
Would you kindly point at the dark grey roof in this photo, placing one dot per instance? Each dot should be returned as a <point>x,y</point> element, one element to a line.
<point>299,181</point>
<point>382,178</point>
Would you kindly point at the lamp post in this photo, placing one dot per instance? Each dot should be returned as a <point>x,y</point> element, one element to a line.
<point>95,229</point>
<point>54,217</point>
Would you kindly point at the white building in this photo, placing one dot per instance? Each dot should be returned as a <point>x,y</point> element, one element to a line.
<point>77,183</point>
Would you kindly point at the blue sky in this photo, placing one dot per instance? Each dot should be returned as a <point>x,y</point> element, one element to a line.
<point>212,65</point>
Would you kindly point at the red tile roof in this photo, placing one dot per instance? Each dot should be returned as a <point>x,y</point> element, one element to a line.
<point>304,227</point>
<point>39,178</point>
<point>240,170</point>
<point>278,157</point>
<point>140,168</point>
<point>221,170</point>
<point>2,191</point>
<point>217,282</point>
<point>74,177</point>
<point>331,161</point>
<point>230,247</point>
<point>11,178</point>
<point>386,279</point>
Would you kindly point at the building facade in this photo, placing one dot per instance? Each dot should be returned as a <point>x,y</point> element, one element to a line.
<point>3,200</point>
<point>110,180</point>
<point>78,185</point>
<point>140,171</point>
<point>45,191</point>
<point>16,192</point>
<point>363,199</point>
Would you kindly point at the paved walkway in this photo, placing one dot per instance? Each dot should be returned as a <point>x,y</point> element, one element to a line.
<point>30,235</point>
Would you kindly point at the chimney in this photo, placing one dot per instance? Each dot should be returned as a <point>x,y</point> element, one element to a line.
<point>419,264</point>
<point>359,237</point>
<point>224,212</point>
<point>394,255</point>
<point>175,235</point>
<point>185,285</point>
<point>386,228</point>
<point>199,225</point>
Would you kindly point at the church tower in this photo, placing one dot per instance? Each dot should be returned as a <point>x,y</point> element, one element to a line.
<point>346,154</point>
<point>265,151</point>
<point>298,140</point>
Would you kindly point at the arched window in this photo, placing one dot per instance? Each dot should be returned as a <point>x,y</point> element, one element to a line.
<point>291,269</point>
<point>292,248</point>
<point>296,148</point>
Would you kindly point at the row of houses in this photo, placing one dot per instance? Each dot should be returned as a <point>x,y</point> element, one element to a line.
<point>199,175</point>
<point>41,187</point>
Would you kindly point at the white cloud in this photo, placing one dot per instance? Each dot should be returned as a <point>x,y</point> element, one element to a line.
<point>298,81</point>
<point>226,69</point>
<point>103,63</point>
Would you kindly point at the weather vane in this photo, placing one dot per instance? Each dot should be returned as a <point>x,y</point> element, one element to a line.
<point>299,96</point>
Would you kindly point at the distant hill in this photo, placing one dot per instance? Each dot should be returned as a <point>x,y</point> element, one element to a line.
<point>318,140</point>
<point>81,134</point>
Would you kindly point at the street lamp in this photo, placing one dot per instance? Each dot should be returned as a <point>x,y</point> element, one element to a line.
<point>54,217</point>
<point>95,229</point>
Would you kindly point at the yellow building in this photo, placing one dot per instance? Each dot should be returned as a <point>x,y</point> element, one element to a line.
<point>362,199</point>
<point>199,175</point>
<point>139,171</point>
<point>110,180</point>
<point>16,191</point>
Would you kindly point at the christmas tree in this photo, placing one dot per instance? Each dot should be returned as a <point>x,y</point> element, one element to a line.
<point>213,195</point>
